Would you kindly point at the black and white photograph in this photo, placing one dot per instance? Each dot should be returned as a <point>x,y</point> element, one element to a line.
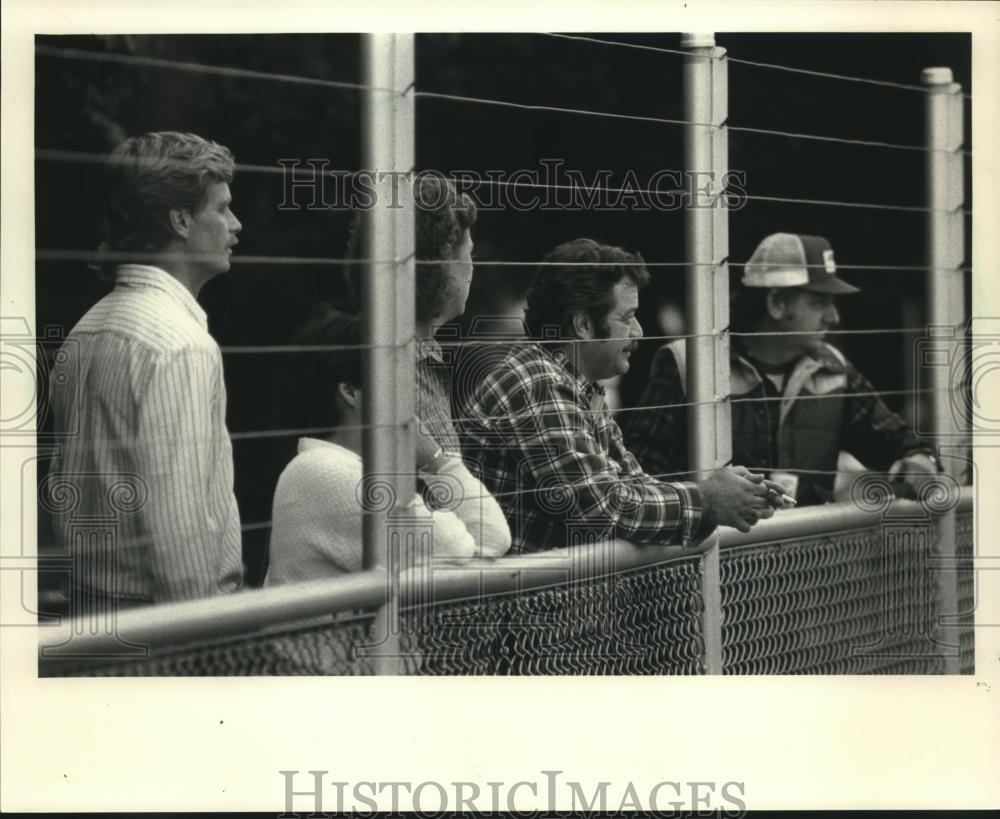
<point>656,351</point>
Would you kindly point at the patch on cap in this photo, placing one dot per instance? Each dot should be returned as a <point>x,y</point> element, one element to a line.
<point>828,262</point>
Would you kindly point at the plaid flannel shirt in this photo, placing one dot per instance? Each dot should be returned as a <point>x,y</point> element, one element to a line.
<point>870,431</point>
<point>542,440</point>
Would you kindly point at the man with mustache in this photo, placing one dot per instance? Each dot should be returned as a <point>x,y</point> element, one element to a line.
<point>538,432</point>
<point>141,388</point>
<point>796,400</point>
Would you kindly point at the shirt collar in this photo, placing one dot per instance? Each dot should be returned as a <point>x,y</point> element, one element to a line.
<point>144,275</point>
<point>307,444</point>
<point>589,388</point>
<point>429,348</point>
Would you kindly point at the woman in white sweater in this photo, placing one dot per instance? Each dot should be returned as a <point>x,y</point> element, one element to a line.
<point>317,514</point>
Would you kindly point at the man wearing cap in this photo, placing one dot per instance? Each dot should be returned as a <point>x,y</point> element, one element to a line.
<point>796,400</point>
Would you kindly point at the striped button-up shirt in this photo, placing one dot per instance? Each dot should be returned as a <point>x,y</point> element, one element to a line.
<point>542,440</point>
<point>142,490</point>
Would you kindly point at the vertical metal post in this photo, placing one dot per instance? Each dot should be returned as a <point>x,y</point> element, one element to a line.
<point>912,309</point>
<point>945,227</point>
<point>706,154</point>
<point>388,308</point>
<point>945,299</point>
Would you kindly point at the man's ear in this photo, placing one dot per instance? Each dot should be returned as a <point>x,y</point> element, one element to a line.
<point>179,220</point>
<point>775,304</point>
<point>583,327</point>
<point>349,393</point>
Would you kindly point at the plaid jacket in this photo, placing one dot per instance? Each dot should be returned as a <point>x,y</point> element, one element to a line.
<point>783,432</point>
<point>543,441</point>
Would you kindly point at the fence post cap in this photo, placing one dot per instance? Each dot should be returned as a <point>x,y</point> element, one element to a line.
<point>702,40</point>
<point>936,76</point>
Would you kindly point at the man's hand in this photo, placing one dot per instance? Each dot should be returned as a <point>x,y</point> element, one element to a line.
<point>776,496</point>
<point>734,496</point>
<point>909,474</point>
<point>427,447</point>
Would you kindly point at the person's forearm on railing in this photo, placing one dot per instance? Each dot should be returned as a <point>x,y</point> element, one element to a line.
<point>472,504</point>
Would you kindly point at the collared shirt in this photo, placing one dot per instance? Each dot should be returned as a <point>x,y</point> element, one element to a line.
<point>542,440</point>
<point>434,375</point>
<point>139,393</point>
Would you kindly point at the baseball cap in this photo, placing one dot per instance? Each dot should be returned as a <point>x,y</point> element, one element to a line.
<point>791,260</point>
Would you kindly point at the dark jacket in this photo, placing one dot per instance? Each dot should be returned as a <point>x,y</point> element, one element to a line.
<point>825,406</point>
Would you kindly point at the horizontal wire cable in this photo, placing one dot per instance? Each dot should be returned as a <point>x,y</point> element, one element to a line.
<point>668,121</point>
<point>635,480</point>
<point>249,435</point>
<point>69,255</point>
<point>891,267</point>
<point>582,187</point>
<point>869,205</point>
<point>658,476</point>
<point>126,257</point>
<point>289,433</point>
<point>298,174</point>
<point>201,68</point>
<point>777,398</point>
<point>254,527</point>
<point>292,432</point>
<point>872,332</point>
<point>844,77</point>
<point>680,476</point>
<point>310,261</point>
<point>791,69</point>
<point>555,109</point>
<point>264,349</point>
<point>261,349</point>
<point>636,46</point>
<point>865,394</point>
<point>869,143</point>
<point>500,341</point>
<point>720,400</point>
<point>819,471</point>
<point>591,189</point>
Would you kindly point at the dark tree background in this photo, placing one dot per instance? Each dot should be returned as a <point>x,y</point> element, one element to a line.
<point>88,106</point>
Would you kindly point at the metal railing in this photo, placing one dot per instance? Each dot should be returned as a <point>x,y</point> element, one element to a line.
<point>570,586</point>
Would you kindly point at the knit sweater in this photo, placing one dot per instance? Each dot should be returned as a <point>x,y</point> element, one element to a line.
<point>317,515</point>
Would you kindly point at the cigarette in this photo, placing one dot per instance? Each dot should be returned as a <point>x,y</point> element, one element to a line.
<point>789,499</point>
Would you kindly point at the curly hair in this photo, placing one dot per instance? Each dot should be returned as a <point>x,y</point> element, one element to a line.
<point>583,282</point>
<point>148,175</point>
<point>442,217</point>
